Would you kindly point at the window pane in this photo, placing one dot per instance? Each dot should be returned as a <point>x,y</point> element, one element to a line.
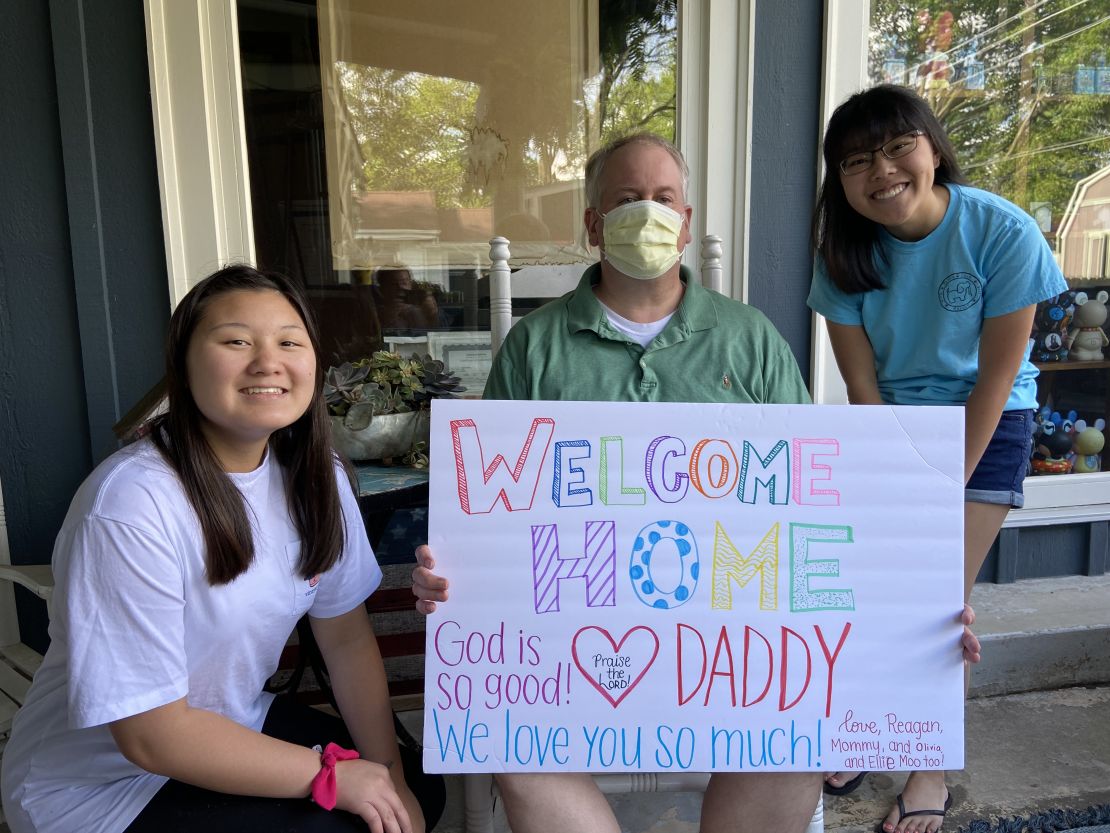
<point>1023,89</point>
<point>389,141</point>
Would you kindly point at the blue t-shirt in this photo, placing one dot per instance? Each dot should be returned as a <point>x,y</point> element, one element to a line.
<point>986,258</point>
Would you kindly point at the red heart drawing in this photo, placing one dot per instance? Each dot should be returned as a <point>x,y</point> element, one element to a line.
<point>616,647</point>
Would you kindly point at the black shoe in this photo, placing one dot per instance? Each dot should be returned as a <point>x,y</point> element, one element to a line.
<point>845,788</point>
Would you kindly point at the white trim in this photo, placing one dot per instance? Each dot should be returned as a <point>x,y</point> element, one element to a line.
<point>826,383</point>
<point>197,101</point>
<point>1077,201</point>
<point>845,40</point>
<point>847,23</point>
<point>715,93</point>
<point>1055,516</point>
<point>9,624</point>
<point>1094,254</point>
<point>1063,499</point>
<point>1066,491</point>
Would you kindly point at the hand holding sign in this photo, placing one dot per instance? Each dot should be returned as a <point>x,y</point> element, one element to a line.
<point>428,587</point>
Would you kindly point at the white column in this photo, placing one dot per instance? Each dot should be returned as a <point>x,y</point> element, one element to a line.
<point>197,98</point>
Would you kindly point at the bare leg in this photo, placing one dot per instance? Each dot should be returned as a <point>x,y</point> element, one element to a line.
<point>926,790</point>
<point>756,802</point>
<point>555,803</point>
<point>981,524</point>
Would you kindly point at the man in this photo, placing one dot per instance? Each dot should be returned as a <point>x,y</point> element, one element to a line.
<point>639,329</point>
<point>652,336</point>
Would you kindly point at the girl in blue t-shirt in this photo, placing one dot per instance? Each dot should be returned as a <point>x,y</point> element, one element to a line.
<point>929,287</point>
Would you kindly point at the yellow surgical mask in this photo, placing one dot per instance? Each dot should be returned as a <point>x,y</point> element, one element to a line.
<point>641,238</point>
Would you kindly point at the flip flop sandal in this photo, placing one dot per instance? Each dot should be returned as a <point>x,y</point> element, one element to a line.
<point>845,788</point>
<point>902,814</point>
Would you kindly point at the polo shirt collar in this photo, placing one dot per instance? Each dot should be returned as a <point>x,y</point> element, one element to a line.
<point>695,312</point>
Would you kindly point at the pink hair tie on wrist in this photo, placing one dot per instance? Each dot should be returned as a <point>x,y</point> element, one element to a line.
<point>323,785</point>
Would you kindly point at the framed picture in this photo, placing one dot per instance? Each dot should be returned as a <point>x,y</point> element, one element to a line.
<point>467,355</point>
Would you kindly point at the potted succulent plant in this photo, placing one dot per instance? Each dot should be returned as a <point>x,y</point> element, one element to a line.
<point>379,405</point>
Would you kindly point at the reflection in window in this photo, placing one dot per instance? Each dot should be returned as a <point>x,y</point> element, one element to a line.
<point>389,141</point>
<point>1023,88</point>
<point>444,128</point>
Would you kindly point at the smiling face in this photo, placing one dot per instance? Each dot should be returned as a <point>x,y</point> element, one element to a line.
<point>251,371</point>
<point>899,194</point>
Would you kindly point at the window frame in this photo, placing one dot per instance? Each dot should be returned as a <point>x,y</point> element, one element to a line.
<point>1097,255</point>
<point>197,103</point>
<point>200,138</point>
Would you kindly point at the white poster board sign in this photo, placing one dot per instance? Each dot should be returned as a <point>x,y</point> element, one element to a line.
<point>695,587</point>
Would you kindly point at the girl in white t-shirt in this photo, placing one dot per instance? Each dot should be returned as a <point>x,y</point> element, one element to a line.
<point>181,568</point>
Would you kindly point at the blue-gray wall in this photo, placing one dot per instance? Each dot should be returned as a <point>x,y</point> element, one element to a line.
<point>82,264</point>
<point>785,130</point>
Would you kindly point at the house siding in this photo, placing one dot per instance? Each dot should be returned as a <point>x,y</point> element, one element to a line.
<point>80,239</point>
<point>785,130</point>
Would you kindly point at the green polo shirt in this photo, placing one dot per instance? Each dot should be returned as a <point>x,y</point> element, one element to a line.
<point>713,349</point>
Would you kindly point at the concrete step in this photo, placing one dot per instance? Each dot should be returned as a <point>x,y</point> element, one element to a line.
<point>1026,753</point>
<point>1042,634</point>
<point>1038,721</point>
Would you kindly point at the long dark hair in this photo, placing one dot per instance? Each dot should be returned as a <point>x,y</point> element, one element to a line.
<point>303,449</point>
<point>847,242</point>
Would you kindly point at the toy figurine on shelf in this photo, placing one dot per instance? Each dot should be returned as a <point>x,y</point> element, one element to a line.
<point>1050,328</point>
<point>1086,338</point>
<point>1048,347</point>
<point>1088,442</point>
<point>1052,443</point>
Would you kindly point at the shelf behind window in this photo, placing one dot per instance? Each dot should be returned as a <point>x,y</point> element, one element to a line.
<point>1049,367</point>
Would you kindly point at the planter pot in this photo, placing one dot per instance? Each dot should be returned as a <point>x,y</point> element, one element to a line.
<point>391,435</point>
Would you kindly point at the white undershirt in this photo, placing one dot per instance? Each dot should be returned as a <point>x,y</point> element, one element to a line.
<point>642,334</point>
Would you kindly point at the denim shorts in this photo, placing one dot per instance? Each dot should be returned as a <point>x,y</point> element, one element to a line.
<point>998,477</point>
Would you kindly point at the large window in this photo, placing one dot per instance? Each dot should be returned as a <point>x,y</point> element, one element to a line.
<point>476,118</point>
<point>388,142</point>
<point>1023,88</point>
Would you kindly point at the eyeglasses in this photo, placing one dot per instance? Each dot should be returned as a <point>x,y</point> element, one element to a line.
<point>857,163</point>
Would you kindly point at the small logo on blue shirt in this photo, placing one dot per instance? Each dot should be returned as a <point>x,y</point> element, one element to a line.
<point>959,291</point>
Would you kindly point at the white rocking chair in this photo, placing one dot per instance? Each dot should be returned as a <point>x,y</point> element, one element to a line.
<point>18,662</point>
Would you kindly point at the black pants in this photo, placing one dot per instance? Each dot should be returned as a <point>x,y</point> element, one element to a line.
<point>183,808</point>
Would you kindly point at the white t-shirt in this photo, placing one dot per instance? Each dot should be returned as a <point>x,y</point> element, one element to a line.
<point>642,334</point>
<point>135,625</point>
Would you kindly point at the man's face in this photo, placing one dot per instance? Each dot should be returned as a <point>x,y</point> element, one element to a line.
<point>639,171</point>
